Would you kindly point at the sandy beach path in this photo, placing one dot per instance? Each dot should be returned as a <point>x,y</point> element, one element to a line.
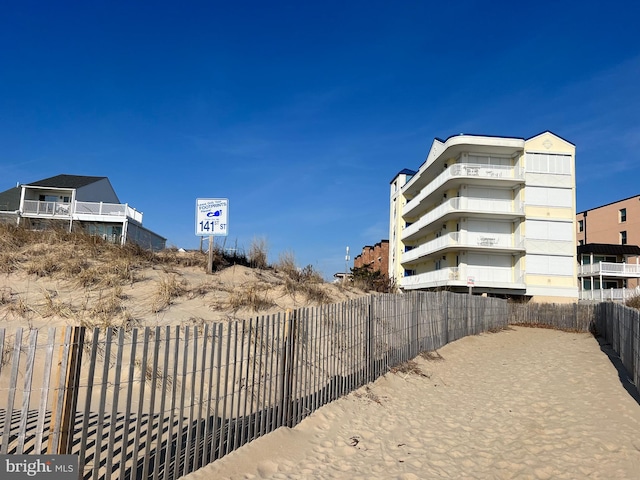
<point>521,403</point>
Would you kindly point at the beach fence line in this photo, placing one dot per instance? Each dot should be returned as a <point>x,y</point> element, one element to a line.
<point>161,402</point>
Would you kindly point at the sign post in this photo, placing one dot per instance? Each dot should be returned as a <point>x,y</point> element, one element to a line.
<point>471,281</point>
<point>212,220</point>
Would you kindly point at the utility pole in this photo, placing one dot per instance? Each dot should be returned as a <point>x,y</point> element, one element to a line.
<point>346,265</point>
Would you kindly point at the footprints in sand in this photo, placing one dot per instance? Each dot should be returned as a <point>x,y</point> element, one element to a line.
<point>508,410</point>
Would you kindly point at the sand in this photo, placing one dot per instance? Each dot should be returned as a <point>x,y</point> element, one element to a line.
<point>522,403</point>
<point>37,302</point>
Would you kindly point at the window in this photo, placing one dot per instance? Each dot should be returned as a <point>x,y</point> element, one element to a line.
<point>623,215</point>
<point>549,196</point>
<point>581,225</point>
<point>409,273</point>
<point>623,237</point>
<point>549,265</point>
<point>545,230</point>
<point>549,163</point>
<point>580,242</point>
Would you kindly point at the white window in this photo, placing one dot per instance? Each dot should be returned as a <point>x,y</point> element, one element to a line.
<point>549,163</point>
<point>549,197</point>
<point>549,265</point>
<point>544,230</point>
<point>488,160</point>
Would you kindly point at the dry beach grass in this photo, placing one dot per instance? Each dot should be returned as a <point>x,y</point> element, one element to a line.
<point>55,278</point>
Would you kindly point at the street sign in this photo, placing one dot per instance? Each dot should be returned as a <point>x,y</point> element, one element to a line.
<point>211,216</point>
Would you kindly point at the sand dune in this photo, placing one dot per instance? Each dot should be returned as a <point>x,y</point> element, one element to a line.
<point>522,403</point>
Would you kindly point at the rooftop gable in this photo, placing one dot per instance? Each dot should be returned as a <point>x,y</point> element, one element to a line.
<point>550,133</point>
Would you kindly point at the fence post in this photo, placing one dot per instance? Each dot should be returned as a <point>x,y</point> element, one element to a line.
<point>445,311</point>
<point>288,367</point>
<point>71,384</point>
<point>416,325</point>
<point>369,345</point>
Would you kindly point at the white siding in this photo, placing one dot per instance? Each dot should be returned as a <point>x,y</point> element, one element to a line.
<point>550,265</point>
<point>549,197</point>
<point>490,268</point>
<point>491,193</point>
<point>545,230</point>
<point>484,226</point>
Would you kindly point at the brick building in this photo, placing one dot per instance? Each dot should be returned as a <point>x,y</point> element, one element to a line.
<point>376,256</point>
<point>616,223</point>
<point>608,237</point>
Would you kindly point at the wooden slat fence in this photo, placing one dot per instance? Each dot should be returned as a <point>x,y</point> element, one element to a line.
<point>162,402</point>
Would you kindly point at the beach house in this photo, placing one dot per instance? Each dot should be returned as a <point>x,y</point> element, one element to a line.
<point>77,202</point>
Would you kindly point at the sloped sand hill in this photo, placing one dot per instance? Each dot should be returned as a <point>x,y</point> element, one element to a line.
<point>56,278</point>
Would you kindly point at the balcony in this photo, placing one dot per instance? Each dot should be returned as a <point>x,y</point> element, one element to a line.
<point>489,174</point>
<point>87,211</point>
<point>608,269</point>
<point>482,276</point>
<point>459,205</point>
<point>437,278</point>
<point>610,294</point>
<point>47,209</point>
<point>467,241</point>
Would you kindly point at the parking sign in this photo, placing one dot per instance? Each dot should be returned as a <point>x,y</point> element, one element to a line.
<point>212,216</point>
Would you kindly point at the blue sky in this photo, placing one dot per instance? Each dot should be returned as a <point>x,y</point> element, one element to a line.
<point>301,113</point>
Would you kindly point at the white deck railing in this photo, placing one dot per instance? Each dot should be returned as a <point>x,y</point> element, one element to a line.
<point>610,269</point>
<point>610,294</point>
<point>80,210</point>
<point>460,276</point>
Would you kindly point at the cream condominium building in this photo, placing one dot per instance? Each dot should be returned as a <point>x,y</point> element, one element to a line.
<point>493,213</point>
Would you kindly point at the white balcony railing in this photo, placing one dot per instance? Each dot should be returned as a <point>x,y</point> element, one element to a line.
<point>610,269</point>
<point>465,204</point>
<point>49,209</point>
<point>465,170</point>
<point>610,294</point>
<point>495,241</point>
<point>482,276</point>
<point>431,279</point>
<point>80,210</point>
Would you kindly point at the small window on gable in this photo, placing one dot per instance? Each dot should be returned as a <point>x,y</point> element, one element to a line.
<point>581,225</point>
<point>623,215</point>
